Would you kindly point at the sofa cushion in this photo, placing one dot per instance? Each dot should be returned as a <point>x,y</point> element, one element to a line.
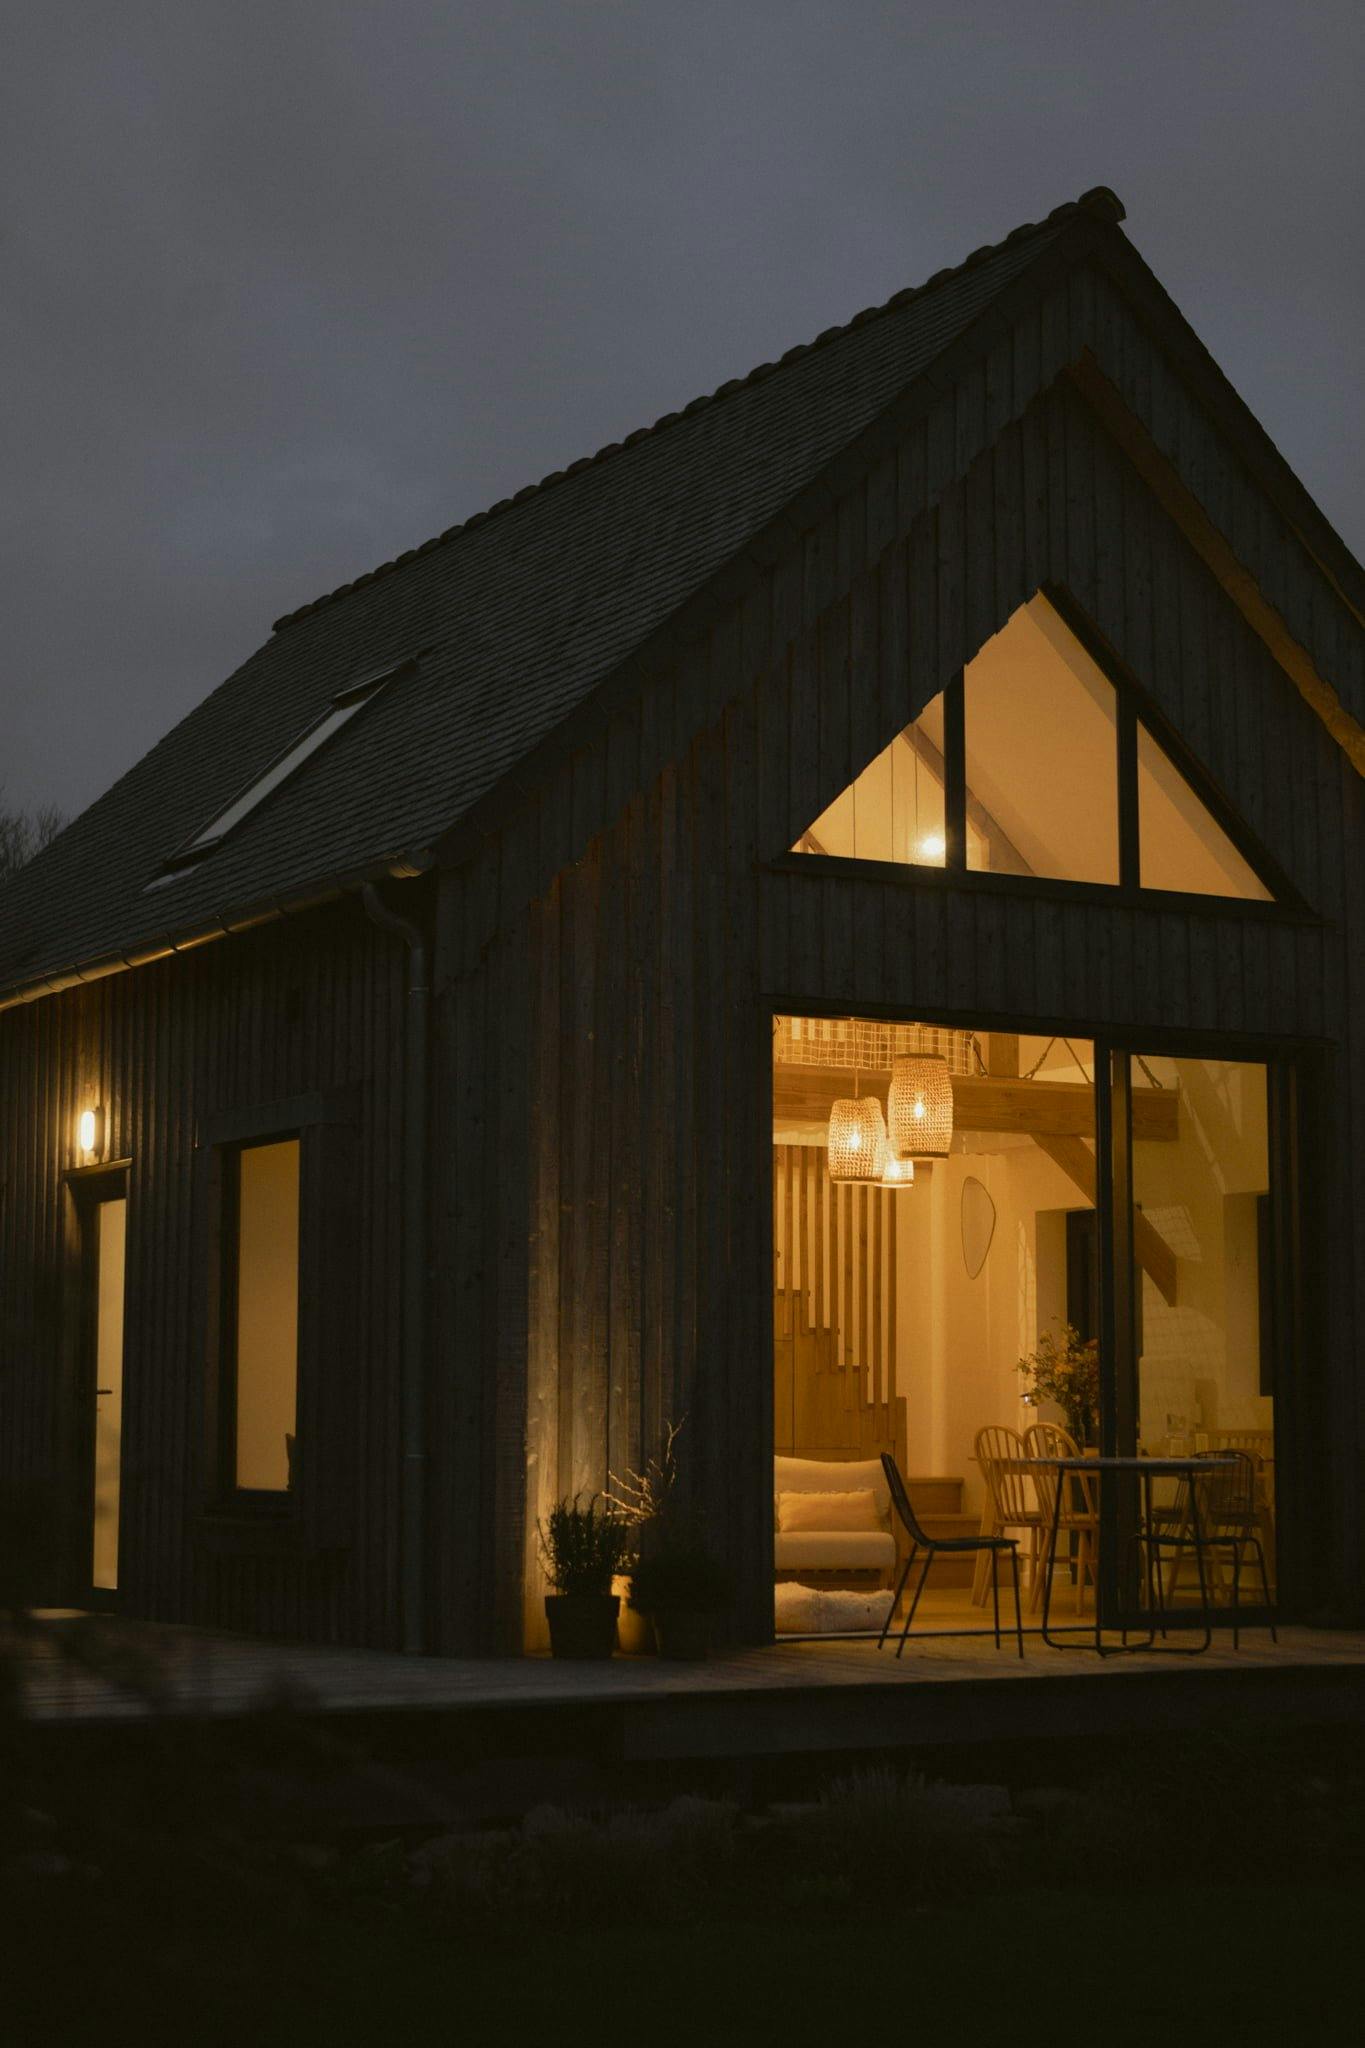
<point>834,1550</point>
<point>855,1509</point>
<point>831,1475</point>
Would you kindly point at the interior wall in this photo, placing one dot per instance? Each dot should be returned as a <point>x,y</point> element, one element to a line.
<point>960,1338</point>
<point>1199,1367</point>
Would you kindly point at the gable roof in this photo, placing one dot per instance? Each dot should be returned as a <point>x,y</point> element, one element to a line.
<point>519,614</point>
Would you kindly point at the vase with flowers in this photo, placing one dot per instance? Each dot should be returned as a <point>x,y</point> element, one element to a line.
<point>1065,1368</point>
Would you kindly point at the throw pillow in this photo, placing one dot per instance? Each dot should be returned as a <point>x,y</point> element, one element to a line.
<point>856,1509</point>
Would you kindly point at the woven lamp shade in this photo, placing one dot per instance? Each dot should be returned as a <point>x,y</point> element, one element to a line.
<point>857,1138</point>
<point>919,1107</point>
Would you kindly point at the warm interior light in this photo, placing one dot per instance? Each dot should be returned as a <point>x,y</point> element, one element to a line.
<point>898,1173</point>
<point>88,1130</point>
<point>919,1106</point>
<point>933,846</point>
<point>856,1139</point>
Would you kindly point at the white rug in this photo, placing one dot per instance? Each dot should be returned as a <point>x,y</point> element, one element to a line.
<point>809,1611</point>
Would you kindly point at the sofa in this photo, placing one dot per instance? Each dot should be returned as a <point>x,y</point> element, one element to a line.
<point>858,1544</point>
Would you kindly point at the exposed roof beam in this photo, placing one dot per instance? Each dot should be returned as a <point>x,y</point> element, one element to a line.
<point>1154,1255</point>
<point>1063,1109</point>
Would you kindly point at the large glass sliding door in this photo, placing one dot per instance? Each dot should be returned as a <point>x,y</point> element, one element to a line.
<point>1194,1318</point>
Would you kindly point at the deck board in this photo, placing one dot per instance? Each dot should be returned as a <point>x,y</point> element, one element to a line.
<point>224,1676</point>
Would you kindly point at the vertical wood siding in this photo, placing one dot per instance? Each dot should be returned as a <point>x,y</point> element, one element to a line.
<point>310,1006</point>
<point>662,939</point>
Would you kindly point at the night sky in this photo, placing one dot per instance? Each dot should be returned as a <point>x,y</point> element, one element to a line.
<point>290,287</point>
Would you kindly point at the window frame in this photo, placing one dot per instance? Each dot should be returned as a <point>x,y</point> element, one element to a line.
<point>315,1513</point>
<point>260,1500</point>
<point>1133,708</point>
<point>340,711</point>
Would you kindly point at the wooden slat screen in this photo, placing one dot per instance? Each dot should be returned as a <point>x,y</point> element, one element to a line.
<point>834,1255</point>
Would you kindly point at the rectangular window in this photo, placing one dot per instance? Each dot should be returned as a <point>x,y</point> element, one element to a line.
<point>265,1309</point>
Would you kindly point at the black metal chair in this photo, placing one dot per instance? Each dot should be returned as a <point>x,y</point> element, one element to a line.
<point>932,1546</point>
<point>1224,1528</point>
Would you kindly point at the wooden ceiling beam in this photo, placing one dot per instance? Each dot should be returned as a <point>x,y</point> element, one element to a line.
<point>1060,1109</point>
<point>1154,1255</point>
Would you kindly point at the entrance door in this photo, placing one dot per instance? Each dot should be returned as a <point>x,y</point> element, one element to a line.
<point>1195,1363</point>
<point>104,1230</point>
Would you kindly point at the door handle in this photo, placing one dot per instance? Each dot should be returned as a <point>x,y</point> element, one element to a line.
<point>103,1390</point>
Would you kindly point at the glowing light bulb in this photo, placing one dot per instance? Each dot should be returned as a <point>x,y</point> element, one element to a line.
<point>918,1110</point>
<point>933,846</point>
<point>87,1130</point>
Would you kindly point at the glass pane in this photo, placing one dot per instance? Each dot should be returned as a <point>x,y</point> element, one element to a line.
<point>1183,847</point>
<point>901,1315</point>
<point>110,1248</point>
<point>1042,754</point>
<point>1202,1293</point>
<point>894,809</point>
<point>267,1314</point>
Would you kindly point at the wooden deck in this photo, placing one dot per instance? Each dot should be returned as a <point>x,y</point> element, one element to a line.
<point>783,1699</point>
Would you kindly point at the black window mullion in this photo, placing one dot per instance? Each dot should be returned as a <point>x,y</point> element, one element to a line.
<point>955,774</point>
<point>1130,852</point>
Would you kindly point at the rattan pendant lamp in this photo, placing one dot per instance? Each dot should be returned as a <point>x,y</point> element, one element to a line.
<point>857,1138</point>
<point>919,1107</point>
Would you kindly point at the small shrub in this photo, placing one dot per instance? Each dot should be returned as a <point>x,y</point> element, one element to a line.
<point>583,1545</point>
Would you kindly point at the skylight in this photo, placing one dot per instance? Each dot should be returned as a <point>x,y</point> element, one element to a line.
<point>342,709</point>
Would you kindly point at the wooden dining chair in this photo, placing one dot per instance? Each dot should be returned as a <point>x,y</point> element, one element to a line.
<point>1079,1513</point>
<point>1011,1499</point>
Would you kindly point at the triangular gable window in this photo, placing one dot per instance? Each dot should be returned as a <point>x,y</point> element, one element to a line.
<point>1018,767</point>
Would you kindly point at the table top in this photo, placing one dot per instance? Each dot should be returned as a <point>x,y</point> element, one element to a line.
<point>1197,1461</point>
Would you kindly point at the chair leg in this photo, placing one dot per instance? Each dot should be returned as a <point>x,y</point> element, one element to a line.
<point>1265,1587</point>
<point>919,1588</point>
<point>1042,1565</point>
<point>995,1594</point>
<point>1236,1594</point>
<point>895,1597</point>
<point>1018,1611</point>
<point>989,1527</point>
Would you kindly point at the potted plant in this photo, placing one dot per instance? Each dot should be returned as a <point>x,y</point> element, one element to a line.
<point>582,1546</point>
<point>681,1586</point>
<point>1066,1370</point>
<point>641,1499</point>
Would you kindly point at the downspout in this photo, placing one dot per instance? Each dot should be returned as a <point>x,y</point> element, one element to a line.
<point>413,1405</point>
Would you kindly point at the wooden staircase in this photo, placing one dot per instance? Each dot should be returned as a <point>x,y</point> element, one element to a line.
<point>822,1409</point>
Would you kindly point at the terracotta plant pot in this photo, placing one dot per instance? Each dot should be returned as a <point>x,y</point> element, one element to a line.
<point>681,1632</point>
<point>634,1631</point>
<point>582,1624</point>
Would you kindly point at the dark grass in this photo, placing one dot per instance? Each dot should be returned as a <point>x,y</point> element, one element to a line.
<point>1206,1888</point>
<point>1213,1964</point>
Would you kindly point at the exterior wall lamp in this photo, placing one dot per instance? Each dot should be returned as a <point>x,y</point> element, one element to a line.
<point>90,1132</point>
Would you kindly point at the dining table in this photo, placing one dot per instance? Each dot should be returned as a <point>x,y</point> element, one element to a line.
<point>1146,1470</point>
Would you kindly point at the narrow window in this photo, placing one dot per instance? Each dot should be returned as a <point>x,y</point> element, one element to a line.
<point>265,1302</point>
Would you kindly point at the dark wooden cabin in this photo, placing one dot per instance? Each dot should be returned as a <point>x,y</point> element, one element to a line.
<point>420,990</point>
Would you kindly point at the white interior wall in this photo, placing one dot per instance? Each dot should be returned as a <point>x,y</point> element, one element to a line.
<point>1200,1362</point>
<point>960,1339</point>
